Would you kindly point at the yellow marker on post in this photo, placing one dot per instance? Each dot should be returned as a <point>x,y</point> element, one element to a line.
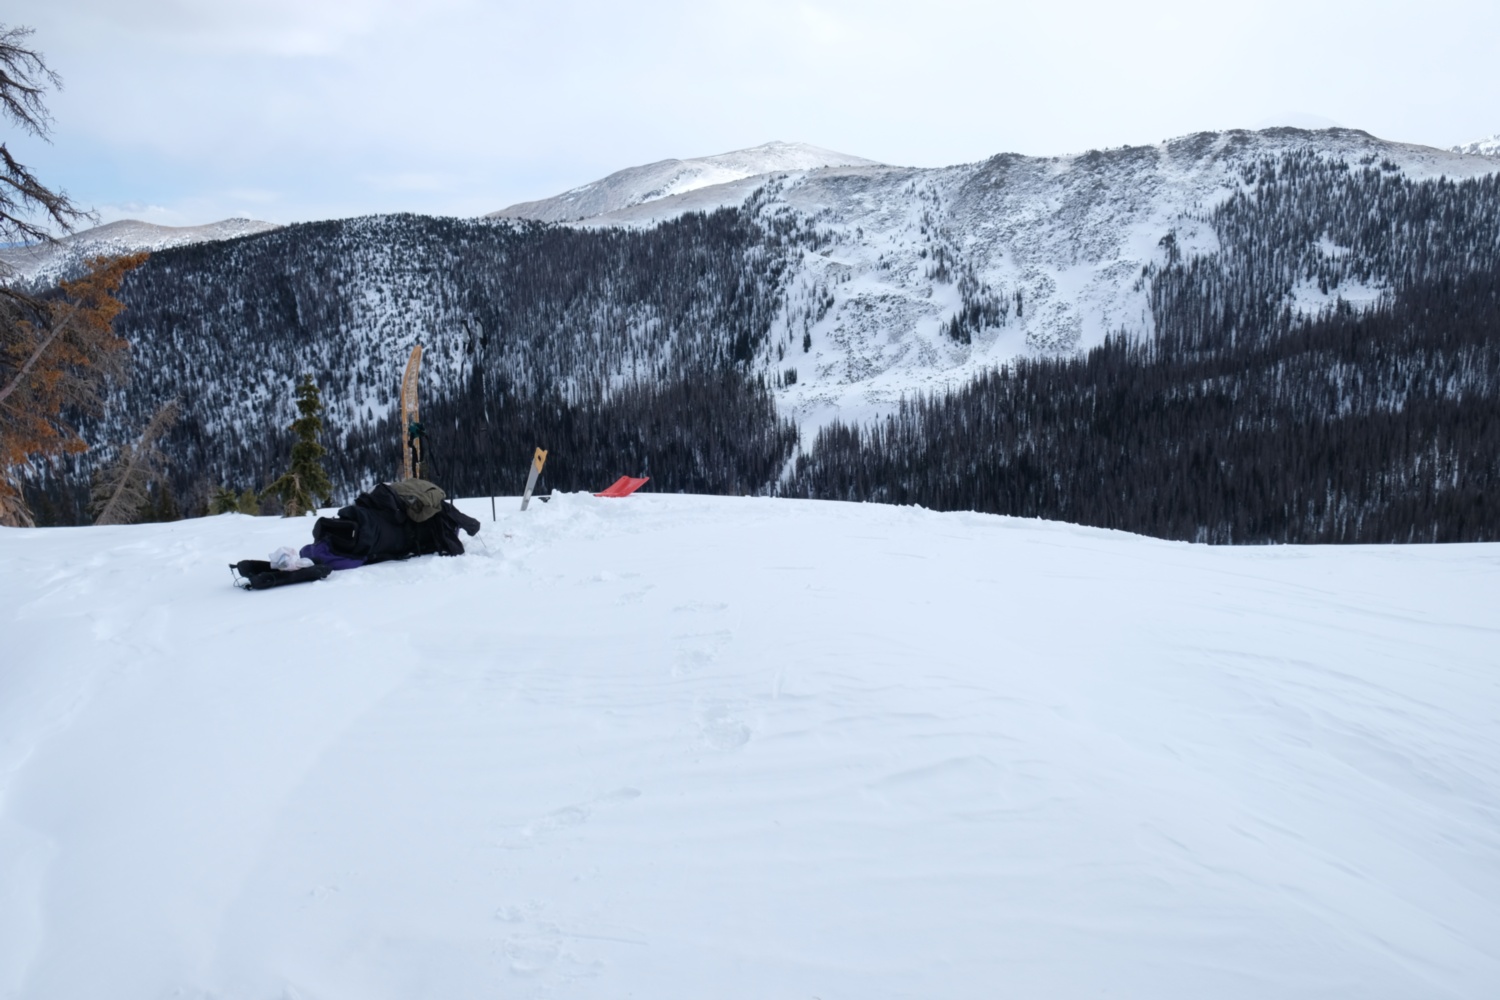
<point>537,461</point>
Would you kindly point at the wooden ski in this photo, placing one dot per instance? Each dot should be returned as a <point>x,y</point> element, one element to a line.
<point>411,417</point>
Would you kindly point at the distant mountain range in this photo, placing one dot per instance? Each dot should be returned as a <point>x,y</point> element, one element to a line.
<point>1051,249</point>
<point>836,286</point>
<point>46,262</point>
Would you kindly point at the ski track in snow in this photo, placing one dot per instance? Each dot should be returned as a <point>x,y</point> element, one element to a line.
<point>686,746</point>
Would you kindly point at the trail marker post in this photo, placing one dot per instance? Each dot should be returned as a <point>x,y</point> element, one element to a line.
<point>537,461</point>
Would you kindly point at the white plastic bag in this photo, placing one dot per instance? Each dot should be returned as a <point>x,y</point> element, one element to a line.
<point>286,557</point>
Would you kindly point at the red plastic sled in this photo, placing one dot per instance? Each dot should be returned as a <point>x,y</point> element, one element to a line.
<point>624,486</point>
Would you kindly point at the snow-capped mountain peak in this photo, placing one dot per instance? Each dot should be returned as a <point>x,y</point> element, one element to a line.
<point>46,262</point>
<point>665,178</point>
<point>1481,147</point>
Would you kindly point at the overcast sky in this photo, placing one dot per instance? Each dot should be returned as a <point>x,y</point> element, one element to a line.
<point>187,111</point>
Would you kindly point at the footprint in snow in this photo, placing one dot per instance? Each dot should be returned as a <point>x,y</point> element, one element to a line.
<point>540,948</point>
<point>699,650</point>
<point>720,729</point>
<point>541,830</point>
<point>700,606</point>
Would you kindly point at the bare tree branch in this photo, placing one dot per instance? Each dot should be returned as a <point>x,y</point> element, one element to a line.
<point>28,208</point>
<point>24,78</point>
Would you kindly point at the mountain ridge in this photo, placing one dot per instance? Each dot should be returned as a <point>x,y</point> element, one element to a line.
<point>648,182</point>
<point>43,263</point>
<point>1480,147</point>
<point>818,296</point>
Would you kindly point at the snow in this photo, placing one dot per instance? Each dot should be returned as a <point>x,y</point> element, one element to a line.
<point>1309,300</point>
<point>1072,234</point>
<point>687,746</point>
<point>1481,147</point>
<point>45,263</point>
<point>664,179</point>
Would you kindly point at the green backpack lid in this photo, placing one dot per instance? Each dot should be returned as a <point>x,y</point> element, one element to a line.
<point>420,498</point>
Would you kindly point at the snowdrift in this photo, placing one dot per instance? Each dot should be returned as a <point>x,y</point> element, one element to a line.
<point>685,747</point>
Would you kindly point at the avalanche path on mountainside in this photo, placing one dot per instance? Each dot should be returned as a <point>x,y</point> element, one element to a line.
<point>678,746</point>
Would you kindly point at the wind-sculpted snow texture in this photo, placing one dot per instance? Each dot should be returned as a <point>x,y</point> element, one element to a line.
<point>748,748</point>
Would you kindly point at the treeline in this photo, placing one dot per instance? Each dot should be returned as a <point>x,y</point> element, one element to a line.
<point>628,348</point>
<point>654,351</point>
<point>1305,220</point>
<point>1360,427</point>
<point>706,432</point>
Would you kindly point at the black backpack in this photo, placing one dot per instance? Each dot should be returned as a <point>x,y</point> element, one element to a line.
<point>376,528</point>
<point>373,528</point>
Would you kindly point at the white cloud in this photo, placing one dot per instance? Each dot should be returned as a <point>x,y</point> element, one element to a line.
<point>460,105</point>
<point>267,27</point>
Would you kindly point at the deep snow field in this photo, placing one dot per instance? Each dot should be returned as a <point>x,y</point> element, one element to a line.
<point>702,747</point>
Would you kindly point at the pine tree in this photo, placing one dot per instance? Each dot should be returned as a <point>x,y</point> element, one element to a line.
<point>299,487</point>
<point>160,506</point>
<point>227,501</point>
<point>224,501</point>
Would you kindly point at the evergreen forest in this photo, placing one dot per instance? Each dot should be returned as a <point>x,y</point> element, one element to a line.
<point>1360,427</point>
<point>658,351</point>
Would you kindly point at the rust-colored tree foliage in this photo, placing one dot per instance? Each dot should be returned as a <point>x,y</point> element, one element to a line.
<point>55,357</point>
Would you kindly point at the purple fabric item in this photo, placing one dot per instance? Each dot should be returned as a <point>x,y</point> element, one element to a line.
<point>321,554</point>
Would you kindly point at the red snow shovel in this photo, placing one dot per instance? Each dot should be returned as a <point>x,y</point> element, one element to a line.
<point>624,486</point>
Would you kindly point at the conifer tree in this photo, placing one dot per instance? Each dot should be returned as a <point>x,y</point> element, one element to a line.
<point>160,506</point>
<point>301,486</point>
<point>224,501</point>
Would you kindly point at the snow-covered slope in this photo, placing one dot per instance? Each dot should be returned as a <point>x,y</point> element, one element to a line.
<point>1059,243</point>
<point>1481,147</point>
<point>47,262</point>
<point>681,746</point>
<point>1069,235</point>
<point>654,181</point>
<point>842,289</point>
